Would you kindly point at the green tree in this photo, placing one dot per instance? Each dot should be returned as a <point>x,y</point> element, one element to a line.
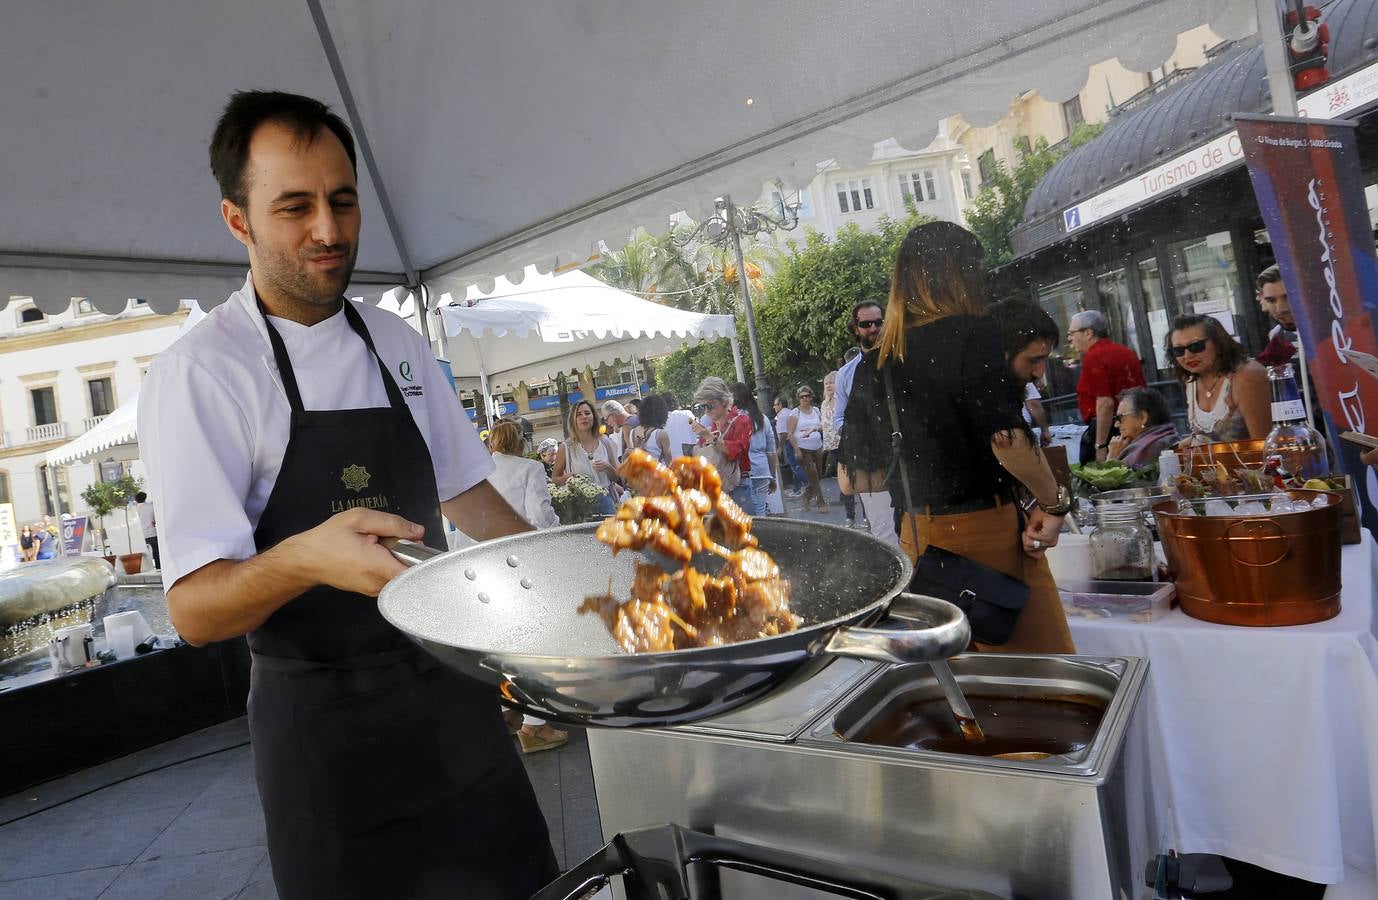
<point>999,205</point>
<point>802,317</point>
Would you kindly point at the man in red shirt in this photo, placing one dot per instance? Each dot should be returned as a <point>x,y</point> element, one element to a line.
<point>1107,368</point>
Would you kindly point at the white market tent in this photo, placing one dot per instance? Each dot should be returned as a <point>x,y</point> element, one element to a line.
<point>555,323</point>
<point>494,135</point>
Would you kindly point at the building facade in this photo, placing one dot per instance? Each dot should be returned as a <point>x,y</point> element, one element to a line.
<point>936,181</point>
<point>60,375</point>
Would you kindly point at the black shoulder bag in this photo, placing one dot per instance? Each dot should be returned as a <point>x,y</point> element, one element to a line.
<point>991,599</point>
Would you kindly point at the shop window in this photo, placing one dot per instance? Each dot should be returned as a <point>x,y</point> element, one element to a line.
<point>45,489</point>
<point>1062,300</point>
<point>1071,114</point>
<point>5,496</point>
<point>102,394</point>
<point>44,406</point>
<point>855,195</point>
<point>986,164</point>
<point>1117,303</point>
<point>1206,279</point>
<point>31,315</point>
<point>1155,304</point>
<point>966,183</point>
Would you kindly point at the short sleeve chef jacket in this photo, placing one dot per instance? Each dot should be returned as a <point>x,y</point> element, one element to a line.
<point>214,420</point>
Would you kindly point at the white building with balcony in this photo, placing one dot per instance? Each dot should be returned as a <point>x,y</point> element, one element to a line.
<point>937,180</point>
<point>60,375</point>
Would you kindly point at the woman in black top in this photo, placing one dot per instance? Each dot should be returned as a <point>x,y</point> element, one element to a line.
<point>965,444</point>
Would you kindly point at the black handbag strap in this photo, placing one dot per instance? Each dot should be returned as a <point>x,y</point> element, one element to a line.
<point>897,454</point>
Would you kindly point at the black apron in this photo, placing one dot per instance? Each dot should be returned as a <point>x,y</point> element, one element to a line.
<point>381,772</point>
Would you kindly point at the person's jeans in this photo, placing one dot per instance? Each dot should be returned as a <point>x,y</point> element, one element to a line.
<point>152,543</point>
<point>605,506</point>
<point>745,497</point>
<point>760,490</point>
<point>800,479</point>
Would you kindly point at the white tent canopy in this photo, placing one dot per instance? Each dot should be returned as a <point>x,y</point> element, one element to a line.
<point>556,323</point>
<point>496,134</point>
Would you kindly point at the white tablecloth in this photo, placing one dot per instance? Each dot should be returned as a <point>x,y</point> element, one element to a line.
<point>1259,744</point>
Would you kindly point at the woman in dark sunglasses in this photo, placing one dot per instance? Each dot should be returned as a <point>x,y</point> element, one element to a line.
<point>1227,392</point>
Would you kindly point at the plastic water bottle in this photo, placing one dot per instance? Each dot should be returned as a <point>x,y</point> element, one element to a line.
<point>1169,466</point>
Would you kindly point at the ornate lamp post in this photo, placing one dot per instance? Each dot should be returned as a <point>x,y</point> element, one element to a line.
<point>725,229</point>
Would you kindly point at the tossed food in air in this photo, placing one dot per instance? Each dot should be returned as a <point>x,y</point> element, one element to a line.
<point>682,511</point>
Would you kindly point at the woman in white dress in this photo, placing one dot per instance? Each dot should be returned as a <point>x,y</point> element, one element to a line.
<point>590,454</point>
<point>655,413</point>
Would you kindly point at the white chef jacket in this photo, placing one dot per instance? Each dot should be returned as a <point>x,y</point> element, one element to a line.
<point>214,420</point>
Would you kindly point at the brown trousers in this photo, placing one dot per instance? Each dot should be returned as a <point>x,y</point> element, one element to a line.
<point>991,537</point>
<point>812,463</point>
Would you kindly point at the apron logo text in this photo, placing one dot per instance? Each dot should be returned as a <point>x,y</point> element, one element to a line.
<point>378,501</point>
<point>404,370</point>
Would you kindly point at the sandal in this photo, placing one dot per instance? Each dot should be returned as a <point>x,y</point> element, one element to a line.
<point>534,739</point>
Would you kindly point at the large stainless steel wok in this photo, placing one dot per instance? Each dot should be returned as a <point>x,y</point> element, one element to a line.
<point>506,612</point>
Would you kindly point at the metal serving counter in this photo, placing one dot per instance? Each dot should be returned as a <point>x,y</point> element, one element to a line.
<point>790,773</point>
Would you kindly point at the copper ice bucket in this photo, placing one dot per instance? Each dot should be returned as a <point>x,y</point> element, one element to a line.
<point>1274,569</point>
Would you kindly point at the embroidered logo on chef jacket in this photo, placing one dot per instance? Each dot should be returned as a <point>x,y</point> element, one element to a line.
<point>408,389</point>
<point>355,478</point>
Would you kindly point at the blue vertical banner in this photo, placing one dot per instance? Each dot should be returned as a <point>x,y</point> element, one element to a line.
<point>1310,189</point>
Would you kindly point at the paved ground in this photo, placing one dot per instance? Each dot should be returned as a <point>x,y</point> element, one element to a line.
<point>182,821</point>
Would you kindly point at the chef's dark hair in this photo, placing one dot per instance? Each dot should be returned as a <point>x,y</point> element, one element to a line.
<point>1021,323</point>
<point>246,111</point>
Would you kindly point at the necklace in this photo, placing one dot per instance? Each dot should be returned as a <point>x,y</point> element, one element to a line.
<point>1211,393</point>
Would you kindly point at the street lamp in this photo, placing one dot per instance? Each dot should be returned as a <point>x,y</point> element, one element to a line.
<point>725,229</point>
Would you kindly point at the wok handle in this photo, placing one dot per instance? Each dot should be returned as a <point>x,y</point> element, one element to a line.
<point>918,629</point>
<point>410,552</point>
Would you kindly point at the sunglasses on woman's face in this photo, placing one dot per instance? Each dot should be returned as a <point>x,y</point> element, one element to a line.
<point>1179,351</point>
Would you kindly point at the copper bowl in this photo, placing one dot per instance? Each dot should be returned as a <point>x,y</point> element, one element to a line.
<point>1274,569</point>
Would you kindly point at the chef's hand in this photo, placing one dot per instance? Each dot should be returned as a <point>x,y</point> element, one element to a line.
<point>1369,457</point>
<point>345,551</point>
<point>1041,533</point>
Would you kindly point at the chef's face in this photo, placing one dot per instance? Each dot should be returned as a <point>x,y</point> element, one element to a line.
<point>1028,364</point>
<point>301,225</point>
<point>1273,299</point>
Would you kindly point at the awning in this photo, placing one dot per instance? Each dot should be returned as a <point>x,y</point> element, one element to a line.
<point>1184,135</point>
<point>557,323</point>
<point>120,427</point>
<point>497,134</point>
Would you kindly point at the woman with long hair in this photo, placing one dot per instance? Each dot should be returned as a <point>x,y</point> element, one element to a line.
<point>764,471</point>
<point>1227,392</point>
<point>806,434</point>
<point>590,453</point>
<point>655,413</point>
<point>968,453</point>
<point>28,544</point>
<point>729,432</point>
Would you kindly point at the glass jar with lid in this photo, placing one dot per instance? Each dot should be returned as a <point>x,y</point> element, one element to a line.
<point>1122,545</point>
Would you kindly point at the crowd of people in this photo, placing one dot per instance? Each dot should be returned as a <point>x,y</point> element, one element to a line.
<point>38,541</point>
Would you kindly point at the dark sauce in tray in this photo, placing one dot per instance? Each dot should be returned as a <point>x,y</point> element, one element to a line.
<point>1012,725</point>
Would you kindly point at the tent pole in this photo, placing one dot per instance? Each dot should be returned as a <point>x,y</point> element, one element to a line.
<point>332,56</point>
<point>1284,96</point>
<point>421,294</point>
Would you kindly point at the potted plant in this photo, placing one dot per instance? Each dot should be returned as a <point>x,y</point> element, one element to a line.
<point>574,501</point>
<point>100,500</point>
<point>124,489</point>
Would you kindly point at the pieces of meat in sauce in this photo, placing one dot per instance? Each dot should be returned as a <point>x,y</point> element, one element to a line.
<point>682,511</point>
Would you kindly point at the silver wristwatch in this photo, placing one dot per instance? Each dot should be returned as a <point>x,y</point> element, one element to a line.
<point>1064,503</point>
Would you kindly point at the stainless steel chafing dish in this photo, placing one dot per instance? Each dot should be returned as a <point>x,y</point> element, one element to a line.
<point>789,773</point>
